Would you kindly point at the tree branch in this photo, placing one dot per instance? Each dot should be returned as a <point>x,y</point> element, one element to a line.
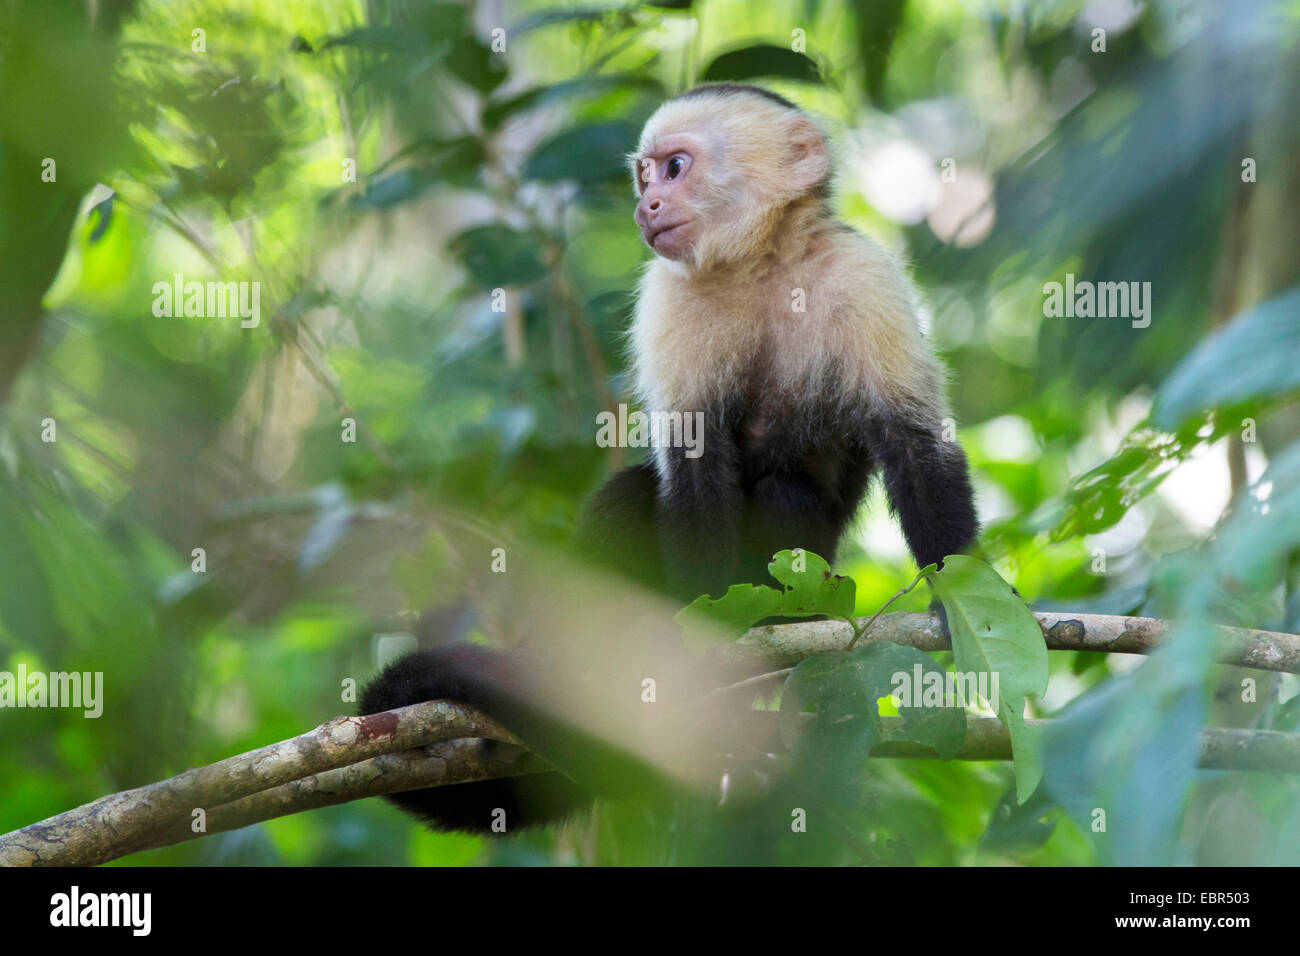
<point>125,822</point>
<point>781,645</point>
<point>349,758</point>
<point>1222,748</point>
<point>438,765</point>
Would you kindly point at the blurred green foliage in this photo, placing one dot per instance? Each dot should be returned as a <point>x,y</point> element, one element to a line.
<point>434,199</point>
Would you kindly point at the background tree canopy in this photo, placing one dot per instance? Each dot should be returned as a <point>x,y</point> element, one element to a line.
<point>434,200</point>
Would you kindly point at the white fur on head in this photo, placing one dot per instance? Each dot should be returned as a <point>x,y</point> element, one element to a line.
<point>759,156</point>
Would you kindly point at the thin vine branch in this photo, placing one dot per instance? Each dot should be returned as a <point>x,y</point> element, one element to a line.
<point>859,631</point>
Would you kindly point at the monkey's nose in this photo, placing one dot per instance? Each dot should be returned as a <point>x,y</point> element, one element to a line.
<point>645,211</point>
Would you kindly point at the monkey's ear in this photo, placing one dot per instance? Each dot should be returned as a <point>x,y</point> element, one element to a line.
<point>810,161</point>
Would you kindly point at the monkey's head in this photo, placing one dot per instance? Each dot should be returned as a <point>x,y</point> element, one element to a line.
<point>717,169</point>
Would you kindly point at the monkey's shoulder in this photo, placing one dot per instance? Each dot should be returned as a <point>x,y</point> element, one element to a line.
<point>858,280</point>
<point>863,311</point>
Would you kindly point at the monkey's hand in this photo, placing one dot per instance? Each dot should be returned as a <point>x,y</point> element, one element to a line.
<point>937,610</point>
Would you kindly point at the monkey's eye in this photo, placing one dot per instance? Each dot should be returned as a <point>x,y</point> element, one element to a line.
<point>674,167</point>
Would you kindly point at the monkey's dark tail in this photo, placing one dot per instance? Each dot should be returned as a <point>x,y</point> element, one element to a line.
<point>486,680</point>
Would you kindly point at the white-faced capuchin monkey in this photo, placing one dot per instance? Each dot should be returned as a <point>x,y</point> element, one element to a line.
<point>797,339</point>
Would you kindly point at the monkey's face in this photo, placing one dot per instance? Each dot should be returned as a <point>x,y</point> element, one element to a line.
<point>716,171</point>
<point>666,212</point>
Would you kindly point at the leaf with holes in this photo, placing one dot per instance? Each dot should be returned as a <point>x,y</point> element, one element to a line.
<point>809,588</point>
<point>844,688</point>
<point>994,633</point>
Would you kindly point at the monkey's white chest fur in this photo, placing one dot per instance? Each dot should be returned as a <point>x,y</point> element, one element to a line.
<point>839,324</point>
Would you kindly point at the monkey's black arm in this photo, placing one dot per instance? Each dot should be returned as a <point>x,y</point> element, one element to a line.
<point>617,527</point>
<point>699,512</point>
<point>928,484</point>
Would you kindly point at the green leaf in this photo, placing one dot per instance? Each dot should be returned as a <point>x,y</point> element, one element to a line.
<point>589,155</point>
<point>1129,747</point>
<point>1253,357</point>
<point>475,65</point>
<point>546,18</point>
<point>388,39</point>
<point>994,633</point>
<point>398,187</point>
<point>809,588</point>
<point>844,688</point>
<point>1257,537</point>
<point>450,162</point>
<point>26,605</point>
<point>417,29</point>
<point>498,256</point>
<point>102,214</point>
<point>498,112</point>
<point>877,29</point>
<point>1016,827</point>
<point>1133,741</point>
<point>939,725</point>
<point>763,60</point>
<point>706,622</point>
<point>458,162</point>
<point>840,688</point>
<point>1102,496</point>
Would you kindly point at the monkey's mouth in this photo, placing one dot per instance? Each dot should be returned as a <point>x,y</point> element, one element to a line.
<point>654,234</point>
